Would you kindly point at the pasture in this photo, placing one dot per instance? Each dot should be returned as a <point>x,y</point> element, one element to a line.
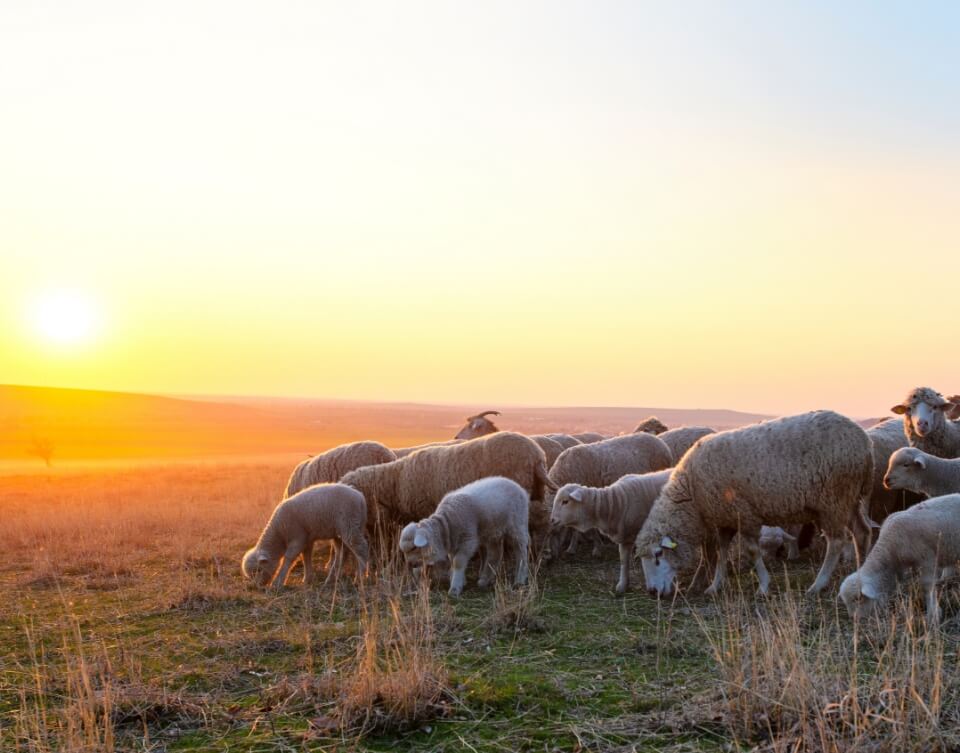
<point>126,626</point>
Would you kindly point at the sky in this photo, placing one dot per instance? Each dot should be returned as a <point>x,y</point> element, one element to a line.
<point>752,206</point>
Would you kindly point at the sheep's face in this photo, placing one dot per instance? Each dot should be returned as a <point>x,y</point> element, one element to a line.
<point>417,547</point>
<point>773,541</point>
<point>859,597</point>
<point>661,562</point>
<point>259,566</point>
<point>904,470</point>
<point>478,426</point>
<point>925,411</point>
<point>569,508</point>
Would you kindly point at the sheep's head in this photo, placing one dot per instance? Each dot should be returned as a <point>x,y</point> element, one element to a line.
<point>478,426</point>
<point>418,547</point>
<point>773,540</point>
<point>924,411</point>
<point>259,566</point>
<point>662,560</point>
<point>651,425</point>
<point>859,596</point>
<point>569,508</point>
<point>905,469</point>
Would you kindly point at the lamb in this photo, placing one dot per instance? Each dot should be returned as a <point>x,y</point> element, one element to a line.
<point>683,438</point>
<point>331,465</point>
<point>490,513</point>
<point>617,511</point>
<point>478,426</point>
<point>926,424</point>
<point>916,471</point>
<point>886,438</point>
<point>588,437</point>
<point>409,489</point>
<point>922,539</point>
<point>651,425</point>
<point>323,511</point>
<point>815,467</point>
<point>774,540</point>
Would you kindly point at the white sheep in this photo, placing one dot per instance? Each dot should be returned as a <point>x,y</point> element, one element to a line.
<point>816,467</point>
<point>774,540</point>
<point>324,511</point>
<point>926,424</point>
<point>915,471</point>
<point>886,437</point>
<point>410,488</point>
<point>489,514</point>
<point>333,464</point>
<point>922,539</point>
<point>617,511</point>
<point>682,438</point>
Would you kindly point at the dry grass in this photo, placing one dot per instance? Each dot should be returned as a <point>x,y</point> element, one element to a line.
<point>129,628</point>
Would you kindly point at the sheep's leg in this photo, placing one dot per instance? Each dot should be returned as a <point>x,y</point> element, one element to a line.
<point>597,550</point>
<point>308,574</point>
<point>626,554</point>
<point>948,572</point>
<point>361,553</point>
<point>335,562</point>
<point>575,537</point>
<point>522,547</point>
<point>761,567</point>
<point>458,574</point>
<point>491,564</point>
<point>830,559</point>
<point>793,550</point>
<point>928,579</point>
<point>724,538</point>
<point>289,557</point>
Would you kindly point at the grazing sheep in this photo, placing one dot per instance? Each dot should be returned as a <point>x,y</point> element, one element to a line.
<point>550,446</point>
<point>923,539</point>
<point>815,467</point>
<point>324,511</point>
<point>478,426</point>
<point>683,438</point>
<point>651,425</point>
<point>564,440</point>
<point>331,465</point>
<point>617,511</point>
<point>886,438</point>
<point>926,424</point>
<point>774,540</point>
<point>918,472</point>
<point>588,437</point>
<point>410,488</point>
<point>490,514</point>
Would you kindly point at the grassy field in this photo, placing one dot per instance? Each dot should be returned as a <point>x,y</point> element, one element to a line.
<point>126,626</point>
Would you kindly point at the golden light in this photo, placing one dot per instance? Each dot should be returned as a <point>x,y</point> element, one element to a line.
<point>65,317</point>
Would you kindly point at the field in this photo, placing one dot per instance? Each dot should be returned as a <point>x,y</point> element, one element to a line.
<point>126,626</point>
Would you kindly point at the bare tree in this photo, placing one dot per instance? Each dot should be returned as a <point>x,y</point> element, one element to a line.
<point>42,447</point>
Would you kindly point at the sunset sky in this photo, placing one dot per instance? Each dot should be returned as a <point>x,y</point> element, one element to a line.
<point>689,204</point>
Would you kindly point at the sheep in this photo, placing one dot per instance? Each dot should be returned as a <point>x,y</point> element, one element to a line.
<point>490,513</point>
<point>651,425</point>
<point>617,511</point>
<point>683,438</point>
<point>409,489</point>
<point>322,511</point>
<point>921,473</point>
<point>588,437</point>
<point>331,465</point>
<point>953,412</point>
<point>922,539</point>
<point>550,446</point>
<point>926,424</point>
<point>774,540</point>
<point>815,467</point>
<point>886,438</point>
<point>602,463</point>
<point>478,426</point>
<point>402,452</point>
<point>564,440</point>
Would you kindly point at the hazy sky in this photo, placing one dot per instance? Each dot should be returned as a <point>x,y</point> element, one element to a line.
<point>705,204</point>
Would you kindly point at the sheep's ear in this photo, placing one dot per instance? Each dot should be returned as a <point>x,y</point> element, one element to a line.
<point>667,543</point>
<point>920,462</point>
<point>899,409</point>
<point>577,494</point>
<point>420,539</point>
<point>867,589</point>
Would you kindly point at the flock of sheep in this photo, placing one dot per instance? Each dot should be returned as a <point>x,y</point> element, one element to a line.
<point>677,498</point>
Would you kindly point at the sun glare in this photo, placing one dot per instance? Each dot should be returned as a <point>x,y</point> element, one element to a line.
<point>64,317</point>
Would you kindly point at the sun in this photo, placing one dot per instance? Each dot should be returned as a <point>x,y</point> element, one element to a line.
<point>65,317</point>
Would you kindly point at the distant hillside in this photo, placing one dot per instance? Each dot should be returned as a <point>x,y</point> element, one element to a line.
<point>98,425</point>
